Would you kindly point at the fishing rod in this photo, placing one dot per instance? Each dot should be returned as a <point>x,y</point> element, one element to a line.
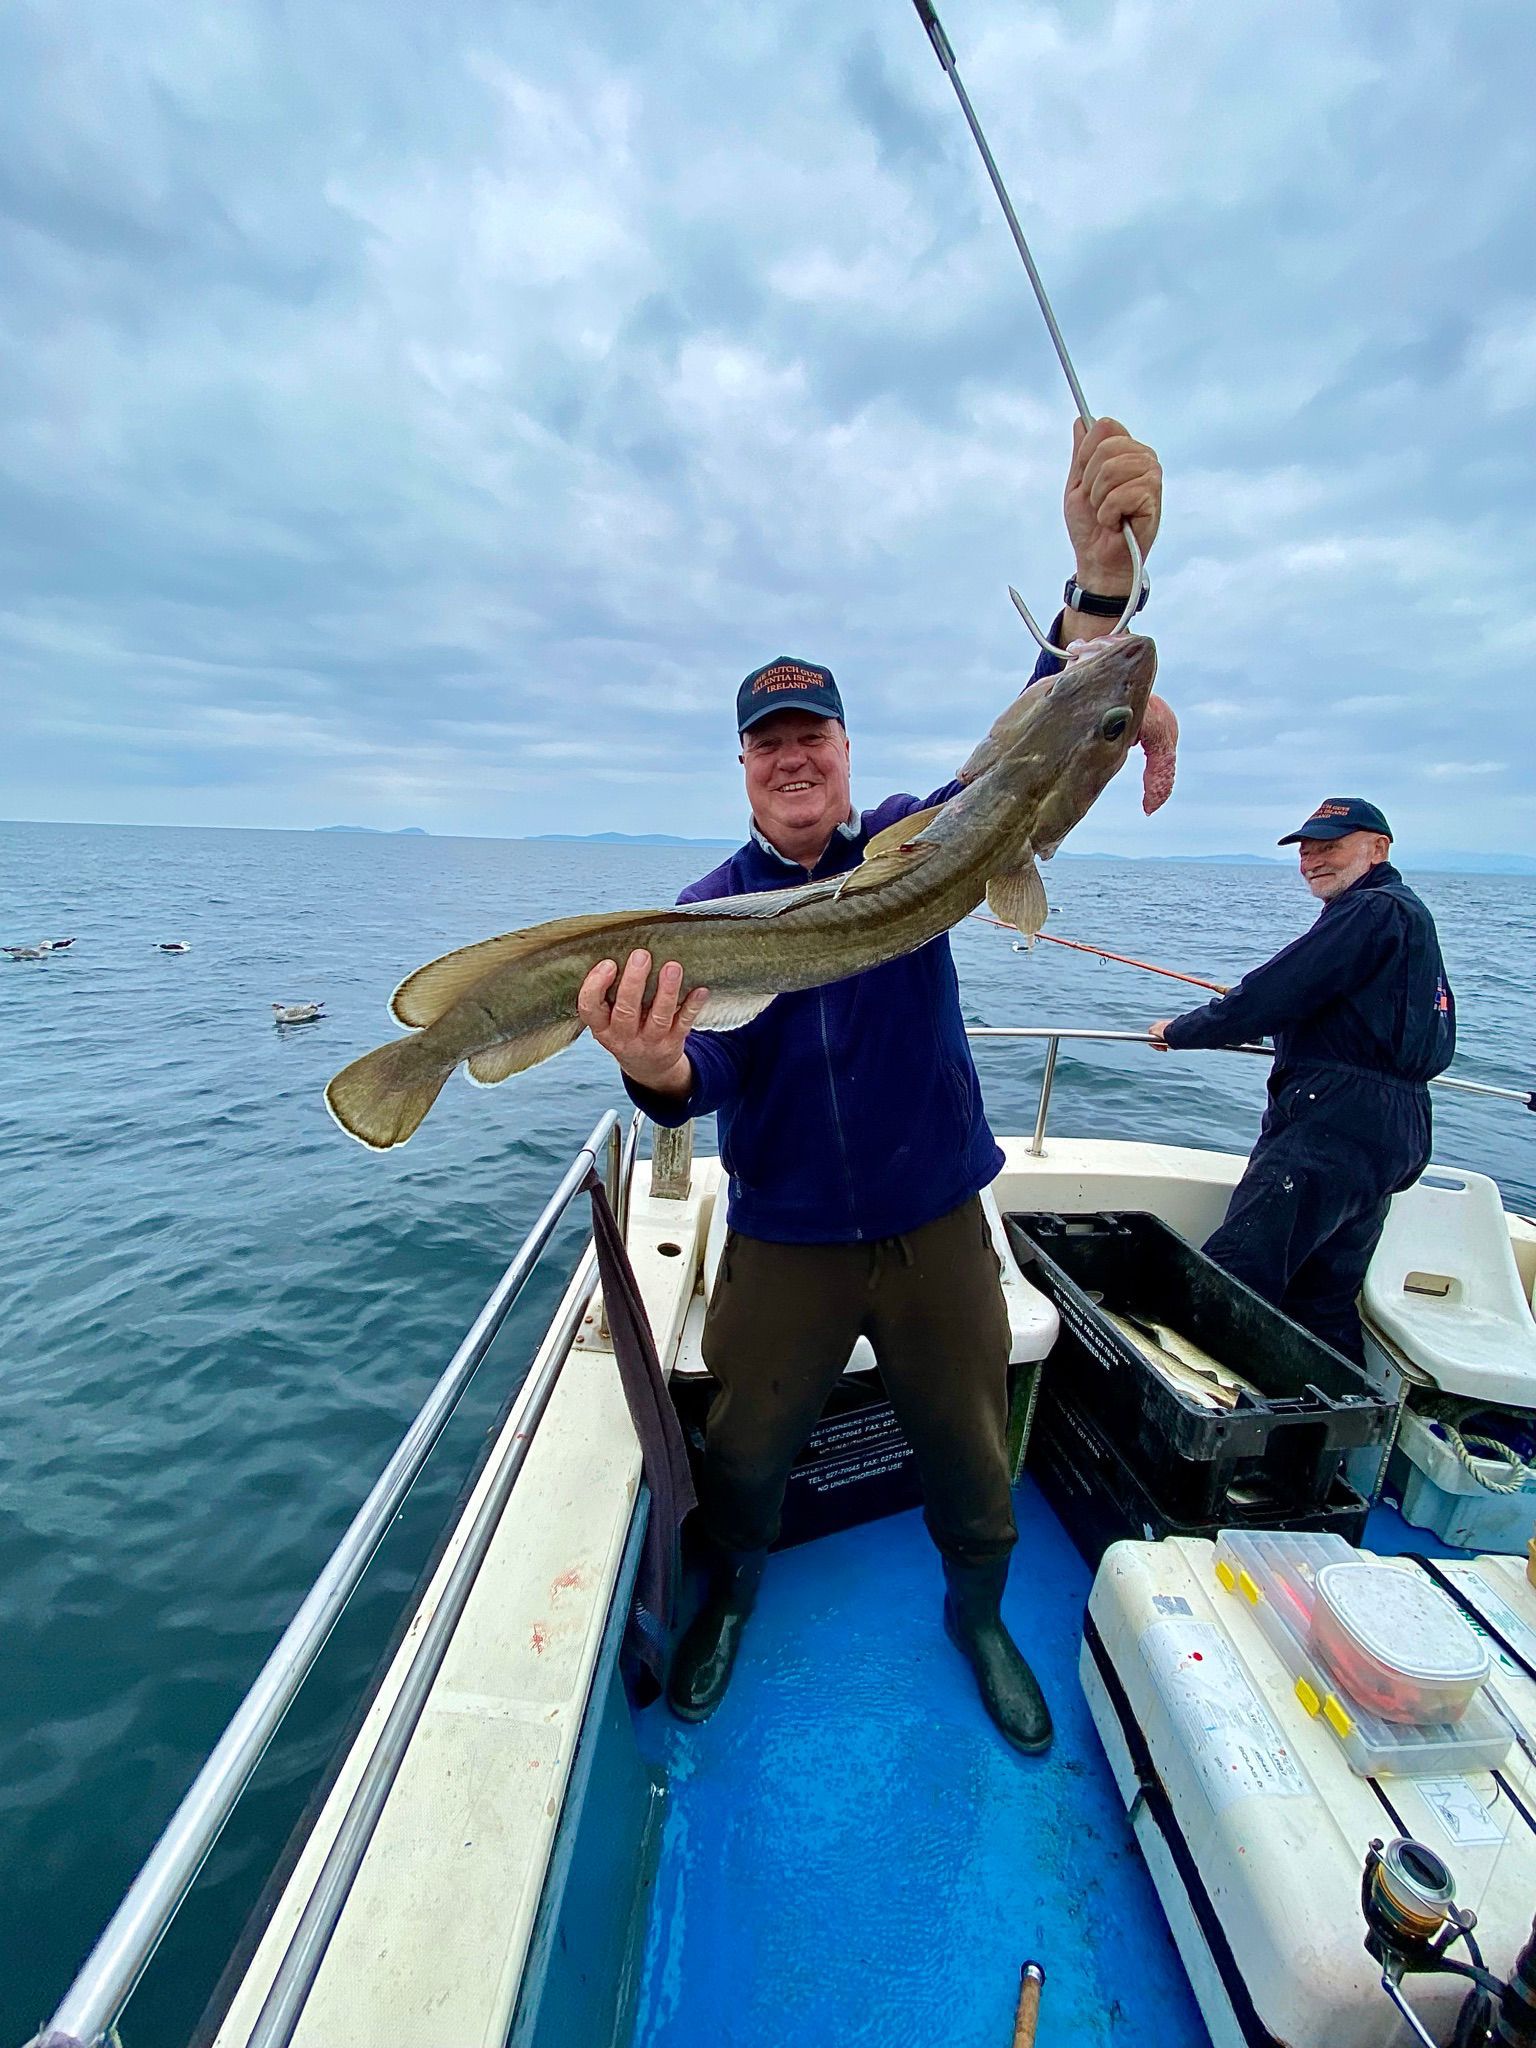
<point>1219,988</point>
<point>946,57</point>
<point>1526,1097</point>
<point>1027,2014</point>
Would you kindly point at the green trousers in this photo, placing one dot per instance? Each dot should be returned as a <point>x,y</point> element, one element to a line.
<point>781,1323</point>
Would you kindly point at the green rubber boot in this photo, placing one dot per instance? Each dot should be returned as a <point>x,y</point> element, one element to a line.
<point>973,1621</point>
<point>701,1665</point>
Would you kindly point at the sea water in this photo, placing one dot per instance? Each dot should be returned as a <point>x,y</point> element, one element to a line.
<point>220,1314</point>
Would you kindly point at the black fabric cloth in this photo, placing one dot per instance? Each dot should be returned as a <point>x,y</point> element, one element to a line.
<point>1361,1016</point>
<point>664,1455</point>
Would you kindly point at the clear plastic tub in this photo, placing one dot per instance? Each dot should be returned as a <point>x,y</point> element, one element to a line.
<point>1395,1642</point>
<point>1274,1575</point>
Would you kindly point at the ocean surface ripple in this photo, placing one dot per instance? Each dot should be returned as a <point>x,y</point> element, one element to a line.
<point>220,1314</point>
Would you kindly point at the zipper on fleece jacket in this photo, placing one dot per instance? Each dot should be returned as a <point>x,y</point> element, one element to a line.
<point>837,1115</point>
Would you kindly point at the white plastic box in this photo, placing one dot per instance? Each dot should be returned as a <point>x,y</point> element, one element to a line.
<point>1253,1825</point>
<point>1274,1577</point>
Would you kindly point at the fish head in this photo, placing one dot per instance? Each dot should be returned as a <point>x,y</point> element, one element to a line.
<point>1080,733</point>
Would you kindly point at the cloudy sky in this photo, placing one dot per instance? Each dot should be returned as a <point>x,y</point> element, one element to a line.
<point>424,416</point>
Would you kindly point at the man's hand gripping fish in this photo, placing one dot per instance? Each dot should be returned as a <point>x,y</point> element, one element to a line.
<point>510,1002</point>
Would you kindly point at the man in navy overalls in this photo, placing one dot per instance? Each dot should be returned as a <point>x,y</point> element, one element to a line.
<point>1362,1018</point>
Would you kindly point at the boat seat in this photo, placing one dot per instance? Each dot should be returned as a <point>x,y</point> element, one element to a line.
<point>1032,1319</point>
<point>1443,1287</point>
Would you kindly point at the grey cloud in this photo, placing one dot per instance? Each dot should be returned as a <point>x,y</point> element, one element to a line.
<point>906,129</point>
<point>421,419</point>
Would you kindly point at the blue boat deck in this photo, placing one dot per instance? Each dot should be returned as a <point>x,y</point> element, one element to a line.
<point>852,1855</point>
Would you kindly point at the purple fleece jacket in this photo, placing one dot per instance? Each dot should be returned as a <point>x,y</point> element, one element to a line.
<point>850,1112</point>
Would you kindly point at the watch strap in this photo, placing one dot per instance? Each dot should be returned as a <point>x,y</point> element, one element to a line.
<point>1095,605</point>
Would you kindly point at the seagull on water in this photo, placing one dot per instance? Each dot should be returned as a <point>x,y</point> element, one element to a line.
<point>297,1013</point>
<point>173,946</point>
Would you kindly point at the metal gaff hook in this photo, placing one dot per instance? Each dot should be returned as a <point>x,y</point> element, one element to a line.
<point>946,57</point>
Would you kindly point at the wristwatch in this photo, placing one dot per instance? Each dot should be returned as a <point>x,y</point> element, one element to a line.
<point>1094,605</point>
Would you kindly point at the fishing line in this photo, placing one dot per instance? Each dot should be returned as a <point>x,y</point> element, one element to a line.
<point>946,57</point>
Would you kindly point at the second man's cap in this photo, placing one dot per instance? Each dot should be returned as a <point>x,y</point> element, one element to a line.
<point>1335,816</point>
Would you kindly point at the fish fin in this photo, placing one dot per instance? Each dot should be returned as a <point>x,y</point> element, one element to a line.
<point>1018,898</point>
<point>895,837</point>
<point>382,1097</point>
<point>871,874</point>
<point>889,853</point>
<point>424,996</point>
<point>769,903</point>
<point>728,1012</point>
<point>515,1055</point>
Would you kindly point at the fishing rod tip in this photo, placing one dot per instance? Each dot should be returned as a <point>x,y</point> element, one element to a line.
<point>936,35</point>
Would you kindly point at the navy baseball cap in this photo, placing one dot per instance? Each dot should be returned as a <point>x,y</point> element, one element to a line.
<point>1335,816</point>
<point>787,685</point>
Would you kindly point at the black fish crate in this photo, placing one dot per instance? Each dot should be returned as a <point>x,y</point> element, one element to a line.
<point>1099,1500</point>
<point>1285,1443</point>
<point>857,1464</point>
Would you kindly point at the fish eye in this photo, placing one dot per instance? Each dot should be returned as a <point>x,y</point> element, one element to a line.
<point>1114,725</point>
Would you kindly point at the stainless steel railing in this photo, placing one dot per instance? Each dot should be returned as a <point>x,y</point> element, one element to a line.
<point>115,1964</point>
<point>283,2006</point>
<point>1054,1034</point>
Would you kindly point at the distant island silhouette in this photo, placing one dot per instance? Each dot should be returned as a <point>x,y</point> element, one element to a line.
<point>628,838</point>
<point>383,831</point>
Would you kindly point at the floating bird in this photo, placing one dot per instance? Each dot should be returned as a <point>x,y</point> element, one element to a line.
<point>26,952</point>
<point>173,946</point>
<point>297,1013</point>
<point>56,945</point>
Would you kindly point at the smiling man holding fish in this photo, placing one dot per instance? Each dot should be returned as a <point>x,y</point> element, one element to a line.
<point>853,1135</point>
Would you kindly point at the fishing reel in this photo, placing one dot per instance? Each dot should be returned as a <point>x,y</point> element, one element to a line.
<point>1408,1898</point>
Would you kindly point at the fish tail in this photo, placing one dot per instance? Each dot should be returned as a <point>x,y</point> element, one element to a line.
<point>381,1098</point>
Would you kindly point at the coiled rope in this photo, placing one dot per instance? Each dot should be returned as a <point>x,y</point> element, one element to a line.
<point>1491,1450</point>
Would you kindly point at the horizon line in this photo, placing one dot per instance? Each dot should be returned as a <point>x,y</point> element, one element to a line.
<point>1424,861</point>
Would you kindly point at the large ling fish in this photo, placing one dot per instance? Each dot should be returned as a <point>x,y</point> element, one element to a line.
<point>507,1003</point>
